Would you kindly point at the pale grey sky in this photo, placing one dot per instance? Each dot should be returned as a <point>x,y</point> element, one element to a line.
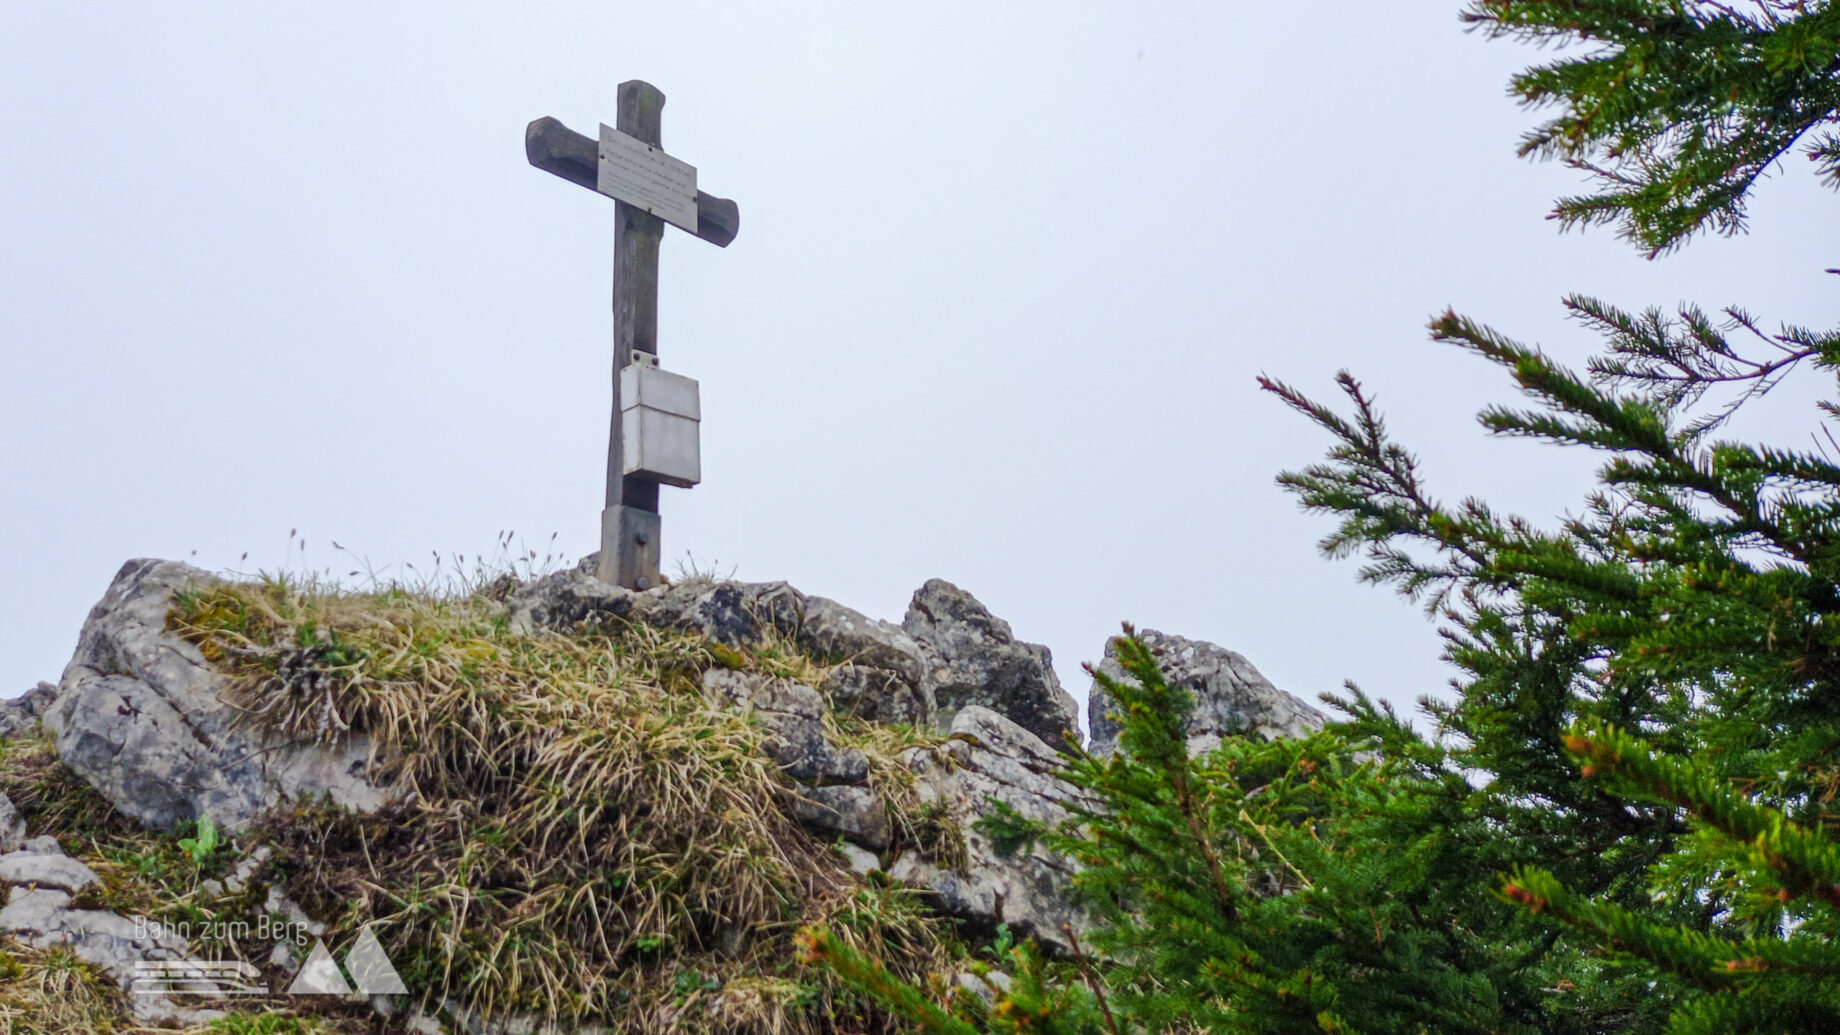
<point>1005,277</point>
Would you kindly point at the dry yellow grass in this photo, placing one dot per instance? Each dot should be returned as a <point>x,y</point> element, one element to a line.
<point>54,993</point>
<point>588,833</point>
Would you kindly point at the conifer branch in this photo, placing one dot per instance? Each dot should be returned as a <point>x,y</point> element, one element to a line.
<point>1805,861</point>
<point>1092,980</point>
<point>817,945</point>
<point>1678,106</point>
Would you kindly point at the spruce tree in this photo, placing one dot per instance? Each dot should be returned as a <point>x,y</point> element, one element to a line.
<point>1694,601</point>
<point>1626,821</point>
<point>1328,884</point>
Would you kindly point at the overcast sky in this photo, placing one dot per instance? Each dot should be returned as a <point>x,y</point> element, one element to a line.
<point>1005,278</point>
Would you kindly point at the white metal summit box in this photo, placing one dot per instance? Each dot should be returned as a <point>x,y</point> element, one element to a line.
<point>659,417</point>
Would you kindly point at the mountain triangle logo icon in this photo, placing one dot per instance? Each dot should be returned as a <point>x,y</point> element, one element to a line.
<point>370,970</point>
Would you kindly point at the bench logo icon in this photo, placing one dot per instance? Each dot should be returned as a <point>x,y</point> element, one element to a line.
<point>370,971</point>
<point>196,977</point>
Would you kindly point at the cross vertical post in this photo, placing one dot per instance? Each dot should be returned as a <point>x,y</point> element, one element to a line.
<point>630,524</point>
<point>652,438</point>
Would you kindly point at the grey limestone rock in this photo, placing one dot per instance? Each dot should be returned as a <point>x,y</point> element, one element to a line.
<point>566,598</point>
<point>793,716</point>
<point>44,918</point>
<point>38,869</point>
<point>141,716</point>
<point>20,714</point>
<point>43,844</point>
<point>972,658</point>
<point>1231,696</point>
<point>861,860</point>
<point>12,826</point>
<point>852,813</point>
<point>990,757</point>
<point>831,799</point>
<point>877,695</point>
<point>111,943</point>
<point>830,631</point>
<point>736,614</point>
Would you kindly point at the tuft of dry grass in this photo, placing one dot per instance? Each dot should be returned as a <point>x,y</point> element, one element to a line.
<point>585,835</point>
<point>53,992</point>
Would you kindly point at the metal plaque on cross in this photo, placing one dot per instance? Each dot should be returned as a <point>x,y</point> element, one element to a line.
<point>637,173</point>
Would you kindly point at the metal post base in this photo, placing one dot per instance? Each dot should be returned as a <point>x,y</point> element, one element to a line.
<point>629,547</point>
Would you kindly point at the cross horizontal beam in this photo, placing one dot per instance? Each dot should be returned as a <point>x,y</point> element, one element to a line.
<point>555,148</point>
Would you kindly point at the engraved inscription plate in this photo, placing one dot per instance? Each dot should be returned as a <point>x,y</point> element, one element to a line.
<point>639,174</point>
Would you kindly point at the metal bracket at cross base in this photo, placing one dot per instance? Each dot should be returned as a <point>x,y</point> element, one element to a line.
<point>649,187</point>
<point>629,546</point>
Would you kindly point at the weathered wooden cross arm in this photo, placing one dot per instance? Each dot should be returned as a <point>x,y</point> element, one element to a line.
<point>555,148</point>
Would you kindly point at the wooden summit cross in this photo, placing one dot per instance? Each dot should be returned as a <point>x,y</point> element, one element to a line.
<point>653,434</point>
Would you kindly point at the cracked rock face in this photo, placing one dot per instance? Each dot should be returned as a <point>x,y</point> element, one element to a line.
<point>989,757</point>
<point>973,659</point>
<point>1231,696</point>
<point>141,716</point>
<point>793,716</point>
<point>852,813</point>
<point>877,695</point>
<point>829,797</point>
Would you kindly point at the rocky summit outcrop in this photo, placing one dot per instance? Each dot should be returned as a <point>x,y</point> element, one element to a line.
<point>949,651</point>
<point>1231,697</point>
<point>146,719</point>
<point>972,658</point>
<point>143,717</point>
